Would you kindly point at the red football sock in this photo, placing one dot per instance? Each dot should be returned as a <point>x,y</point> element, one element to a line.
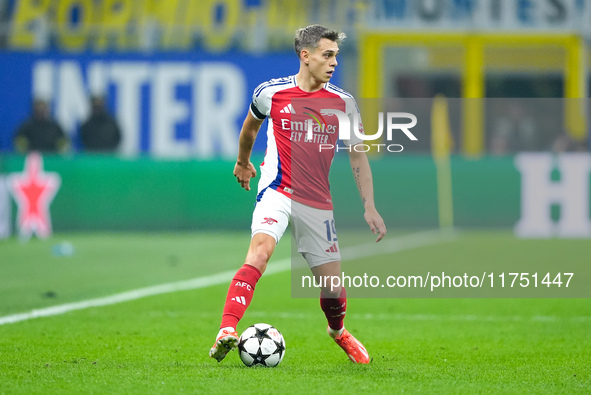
<point>334,309</point>
<point>239,295</point>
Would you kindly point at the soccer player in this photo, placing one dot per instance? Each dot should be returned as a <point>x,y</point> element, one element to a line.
<point>294,187</point>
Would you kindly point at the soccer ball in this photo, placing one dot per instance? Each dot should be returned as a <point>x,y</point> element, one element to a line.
<point>261,345</point>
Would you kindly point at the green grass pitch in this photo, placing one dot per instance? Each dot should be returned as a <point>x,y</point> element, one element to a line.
<point>160,344</point>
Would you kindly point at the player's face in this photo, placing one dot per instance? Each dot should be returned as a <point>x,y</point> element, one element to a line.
<point>323,60</point>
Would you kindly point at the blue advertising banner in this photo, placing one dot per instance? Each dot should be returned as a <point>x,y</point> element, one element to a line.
<point>188,105</point>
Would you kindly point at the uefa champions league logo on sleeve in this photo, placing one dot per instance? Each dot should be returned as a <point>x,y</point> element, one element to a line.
<point>392,124</point>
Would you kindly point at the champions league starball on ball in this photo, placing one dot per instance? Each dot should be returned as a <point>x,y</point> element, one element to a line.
<point>261,345</point>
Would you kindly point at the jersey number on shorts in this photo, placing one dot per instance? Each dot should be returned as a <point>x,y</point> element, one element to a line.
<point>331,233</point>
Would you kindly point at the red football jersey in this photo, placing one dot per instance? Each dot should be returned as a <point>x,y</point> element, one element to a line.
<point>295,165</point>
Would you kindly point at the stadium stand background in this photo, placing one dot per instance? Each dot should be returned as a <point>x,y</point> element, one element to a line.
<point>178,76</point>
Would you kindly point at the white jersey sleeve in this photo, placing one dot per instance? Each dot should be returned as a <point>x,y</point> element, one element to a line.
<point>260,108</point>
<point>355,118</point>
<point>352,111</point>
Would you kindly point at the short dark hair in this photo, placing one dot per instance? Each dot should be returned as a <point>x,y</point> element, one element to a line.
<point>308,37</point>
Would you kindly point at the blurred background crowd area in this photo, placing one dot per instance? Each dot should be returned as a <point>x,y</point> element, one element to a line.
<point>177,75</point>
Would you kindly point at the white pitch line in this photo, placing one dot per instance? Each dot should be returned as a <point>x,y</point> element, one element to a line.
<point>393,245</point>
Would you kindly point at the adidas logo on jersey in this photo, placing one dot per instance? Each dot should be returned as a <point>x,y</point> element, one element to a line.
<point>288,109</point>
<point>333,248</point>
<point>239,299</point>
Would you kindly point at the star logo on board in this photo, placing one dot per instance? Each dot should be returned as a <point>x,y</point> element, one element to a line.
<point>33,190</point>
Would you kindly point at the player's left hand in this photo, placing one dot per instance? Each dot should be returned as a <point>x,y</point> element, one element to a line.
<point>375,222</point>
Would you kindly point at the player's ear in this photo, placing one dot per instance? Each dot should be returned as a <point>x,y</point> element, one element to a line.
<point>305,56</point>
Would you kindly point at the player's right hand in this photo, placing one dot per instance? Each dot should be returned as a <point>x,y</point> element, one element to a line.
<point>375,222</point>
<point>243,174</point>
